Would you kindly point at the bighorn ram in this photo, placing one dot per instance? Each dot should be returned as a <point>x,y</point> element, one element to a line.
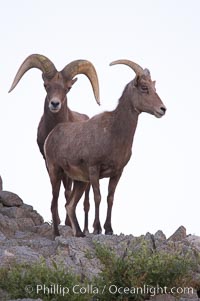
<point>56,110</point>
<point>100,147</point>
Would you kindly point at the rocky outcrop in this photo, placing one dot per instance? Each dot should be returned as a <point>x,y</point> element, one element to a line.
<point>25,237</point>
<point>16,216</point>
<point>179,234</point>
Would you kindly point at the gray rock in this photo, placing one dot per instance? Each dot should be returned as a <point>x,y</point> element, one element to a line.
<point>159,239</point>
<point>24,237</point>
<point>8,226</point>
<point>16,216</point>
<point>160,236</point>
<point>36,218</point>
<point>178,235</point>
<point>18,254</point>
<point>194,241</point>
<point>66,231</point>
<point>25,224</point>
<point>33,214</point>
<point>2,236</point>
<point>12,212</point>
<point>25,211</point>
<point>27,207</point>
<point>72,252</point>
<point>10,199</point>
<point>44,230</point>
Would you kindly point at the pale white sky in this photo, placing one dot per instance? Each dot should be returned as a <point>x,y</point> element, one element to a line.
<point>159,188</point>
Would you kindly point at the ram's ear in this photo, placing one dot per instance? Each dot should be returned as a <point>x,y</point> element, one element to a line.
<point>137,80</point>
<point>154,83</point>
<point>71,82</point>
<point>146,72</point>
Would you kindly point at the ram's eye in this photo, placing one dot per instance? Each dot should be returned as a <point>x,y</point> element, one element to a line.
<point>144,89</point>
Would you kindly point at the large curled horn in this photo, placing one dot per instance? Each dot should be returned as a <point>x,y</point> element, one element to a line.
<point>135,67</point>
<point>83,67</point>
<point>35,61</point>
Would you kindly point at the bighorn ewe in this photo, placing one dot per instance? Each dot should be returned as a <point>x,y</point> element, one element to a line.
<point>100,147</point>
<point>56,110</point>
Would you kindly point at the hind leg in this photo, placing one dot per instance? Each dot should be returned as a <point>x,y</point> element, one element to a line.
<point>77,192</point>
<point>67,183</point>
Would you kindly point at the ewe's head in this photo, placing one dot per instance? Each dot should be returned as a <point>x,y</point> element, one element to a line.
<point>142,91</point>
<point>58,84</point>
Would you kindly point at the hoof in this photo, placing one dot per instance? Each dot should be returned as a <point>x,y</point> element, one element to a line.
<point>56,233</point>
<point>79,234</point>
<point>86,231</point>
<point>108,229</point>
<point>108,232</point>
<point>97,231</point>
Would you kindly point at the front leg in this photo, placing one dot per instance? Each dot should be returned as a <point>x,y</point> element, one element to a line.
<point>110,198</point>
<point>86,205</point>
<point>55,177</point>
<point>94,180</point>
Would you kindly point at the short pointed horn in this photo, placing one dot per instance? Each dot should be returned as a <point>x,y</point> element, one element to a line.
<point>135,67</point>
<point>35,61</point>
<point>83,67</point>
